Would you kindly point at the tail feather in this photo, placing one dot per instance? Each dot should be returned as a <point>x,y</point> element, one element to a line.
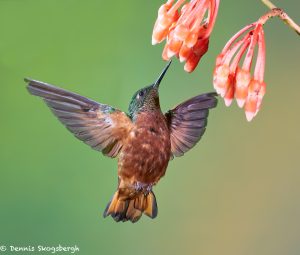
<point>151,210</point>
<point>131,208</point>
<point>133,214</point>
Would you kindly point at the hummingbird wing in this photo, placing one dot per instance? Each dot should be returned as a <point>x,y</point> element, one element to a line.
<point>98,125</point>
<point>187,122</point>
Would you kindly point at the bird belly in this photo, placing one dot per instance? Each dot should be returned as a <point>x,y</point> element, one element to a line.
<point>145,157</point>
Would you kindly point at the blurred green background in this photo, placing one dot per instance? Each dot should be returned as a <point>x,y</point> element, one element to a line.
<point>236,193</point>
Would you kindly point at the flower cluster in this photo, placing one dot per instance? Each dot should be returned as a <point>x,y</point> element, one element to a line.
<point>233,79</point>
<point>186,31</point>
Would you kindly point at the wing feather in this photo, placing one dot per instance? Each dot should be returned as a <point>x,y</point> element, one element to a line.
<point>187,122</point>
<point>100,126</point>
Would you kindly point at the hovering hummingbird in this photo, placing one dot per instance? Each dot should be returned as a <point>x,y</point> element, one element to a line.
<point>144,139</point>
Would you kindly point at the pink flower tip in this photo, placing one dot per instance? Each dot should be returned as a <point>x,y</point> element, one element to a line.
<point>154,41</point>
<point>249,115</point>
<point>240,102</point>
<point>228,101</point>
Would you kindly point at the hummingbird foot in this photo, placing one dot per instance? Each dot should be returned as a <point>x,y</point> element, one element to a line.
<point>143,187</point>
<point>149,188</point>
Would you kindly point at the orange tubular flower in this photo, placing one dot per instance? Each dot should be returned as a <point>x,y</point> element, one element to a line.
<point>186,31</point>
<point>231,80</point>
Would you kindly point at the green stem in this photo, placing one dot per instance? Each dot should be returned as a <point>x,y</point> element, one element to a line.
<point>282,15</point>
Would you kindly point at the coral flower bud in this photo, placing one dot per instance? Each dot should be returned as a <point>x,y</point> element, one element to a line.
<point>243,78</point>
<point>230,92</point>
<point>174,47</point>
<point>166,17</point>
<point>181,32</point>
<point>165,53</point>
<point>191,63</point>
<point>261,94</point>
<point>198,51</point>
<point>252,99</point>
<point>221,79</point>
<point>250,107</point>
<point>191,39</point>
<point>184,53</point>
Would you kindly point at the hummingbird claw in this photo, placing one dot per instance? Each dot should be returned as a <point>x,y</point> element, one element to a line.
<point>138,186</point>
<point>142,187</point>
<point>149,188</point>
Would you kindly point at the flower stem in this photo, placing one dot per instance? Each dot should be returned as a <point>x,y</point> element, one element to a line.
<point>237,35</point>
<point>269,4</point>
<point>281,14</point>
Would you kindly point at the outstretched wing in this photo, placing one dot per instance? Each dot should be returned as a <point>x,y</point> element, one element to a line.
<point>187,122</point>
<point>98,125</point>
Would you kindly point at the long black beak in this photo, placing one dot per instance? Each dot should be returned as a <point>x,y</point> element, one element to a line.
<point>156,84</point>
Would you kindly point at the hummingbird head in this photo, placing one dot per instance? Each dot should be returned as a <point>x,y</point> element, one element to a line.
<point>147,99</point>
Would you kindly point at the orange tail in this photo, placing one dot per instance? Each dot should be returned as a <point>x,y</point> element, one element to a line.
<point>124,209</point>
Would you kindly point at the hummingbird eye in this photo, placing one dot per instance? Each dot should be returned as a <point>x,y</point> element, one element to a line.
<point>141,94</point>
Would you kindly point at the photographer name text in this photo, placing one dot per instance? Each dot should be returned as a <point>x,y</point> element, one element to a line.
<point>40,248</point>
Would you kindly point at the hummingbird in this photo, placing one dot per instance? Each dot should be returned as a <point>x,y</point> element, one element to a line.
<point>143,140</point>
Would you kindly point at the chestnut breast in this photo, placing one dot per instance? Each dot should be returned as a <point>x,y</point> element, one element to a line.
<point>146,153</point>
